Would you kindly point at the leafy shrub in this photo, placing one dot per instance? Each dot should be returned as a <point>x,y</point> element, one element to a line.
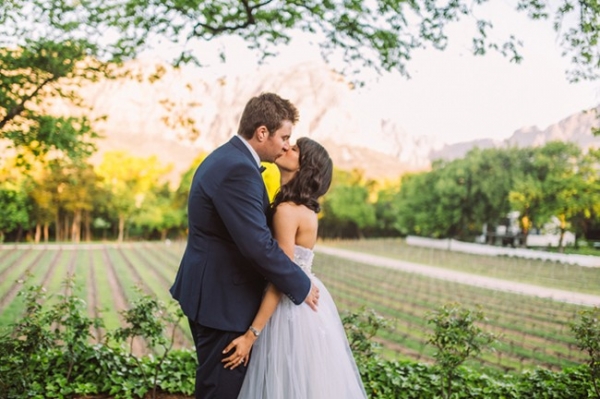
<point>47,354</point>
<point>456,337</point>
<point>587,332</point>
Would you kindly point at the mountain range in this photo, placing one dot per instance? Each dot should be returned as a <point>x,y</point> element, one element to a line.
<point>176,114</point>
<point>576,128</point>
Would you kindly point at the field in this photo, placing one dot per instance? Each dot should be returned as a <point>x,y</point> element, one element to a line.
<point>533,332</point>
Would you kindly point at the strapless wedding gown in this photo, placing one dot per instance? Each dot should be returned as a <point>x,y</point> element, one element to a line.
<point>303,354</point>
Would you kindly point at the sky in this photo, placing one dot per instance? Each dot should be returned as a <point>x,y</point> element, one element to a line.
<point>453,96</point>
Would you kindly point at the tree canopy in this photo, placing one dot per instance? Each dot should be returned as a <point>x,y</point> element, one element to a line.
<point>49,48</point>
<point>553,188</point>
<point>379,34</point>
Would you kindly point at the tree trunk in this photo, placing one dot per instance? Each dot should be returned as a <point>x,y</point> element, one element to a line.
<point>57,231</point>
<point>38,233</point>
<point>66,228</point>
<point>561,247</point>
<point>46,232</point>
<point>121,228</point>
<point>358,232</point>
<point>525,226</point>
<point>87,226</point>
<point>563,228</point>
<point>76,227</point>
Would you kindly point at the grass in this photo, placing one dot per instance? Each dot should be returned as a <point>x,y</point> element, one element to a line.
<point>106,298</point>
<point>528,324</point>
<point>29,268</point>
<point>542,273</point>
<point>55,282</point>
<point>535,332</point>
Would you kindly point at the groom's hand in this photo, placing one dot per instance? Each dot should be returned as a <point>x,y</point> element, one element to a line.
<point>312,299</point>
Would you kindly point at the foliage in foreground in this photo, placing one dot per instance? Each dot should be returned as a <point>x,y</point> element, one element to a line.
<point>456,337</point>
<point>587,333</point>
<point>47,354</point>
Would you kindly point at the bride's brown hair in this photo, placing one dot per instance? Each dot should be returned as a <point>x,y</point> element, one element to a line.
<point>312,179</point>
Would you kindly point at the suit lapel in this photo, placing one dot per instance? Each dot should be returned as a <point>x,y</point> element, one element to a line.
<point>237,143</point>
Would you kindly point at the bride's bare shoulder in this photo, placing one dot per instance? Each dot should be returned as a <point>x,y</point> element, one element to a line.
<point>290,208</point>
<point>291,211</point>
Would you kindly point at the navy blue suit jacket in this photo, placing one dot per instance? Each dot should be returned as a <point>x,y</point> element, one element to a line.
<point>230,252</point>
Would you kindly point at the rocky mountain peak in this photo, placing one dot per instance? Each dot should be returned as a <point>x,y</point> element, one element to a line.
<point>575,128</point>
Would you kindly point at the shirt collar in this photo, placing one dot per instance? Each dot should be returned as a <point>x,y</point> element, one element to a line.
<point>252,151</point>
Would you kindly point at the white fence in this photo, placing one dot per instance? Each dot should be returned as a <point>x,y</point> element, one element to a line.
<point>481,249</point>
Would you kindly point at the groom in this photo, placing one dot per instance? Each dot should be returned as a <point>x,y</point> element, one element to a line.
<point>230,253</point>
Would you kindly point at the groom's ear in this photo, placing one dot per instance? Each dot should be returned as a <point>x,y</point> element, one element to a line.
<point>261,133</point>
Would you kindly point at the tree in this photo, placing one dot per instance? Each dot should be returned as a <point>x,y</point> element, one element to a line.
<point>453,188</point>
<point>347,209</point>
<point>50,47</point>
<point>377,34</point>
<point>438,203</point>
<point>526,198</point>
<point>70,137</point>
<point>62,193</point>
<point>456,198</point>
<point>563,185</point>
<point>494,178</point>
<point>42,186</point>
<point>13,208</point>
<point>473,191</point>
<point>415,204</point>
<point>160,212</point>
<point>129,180</point>
<point>556,181</point>
<point>47,49</point>
<point>386,210</point>
<point>78,198</point>
<point>589,192</point>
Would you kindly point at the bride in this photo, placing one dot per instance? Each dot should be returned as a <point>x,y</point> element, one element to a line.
<point>297,353</point>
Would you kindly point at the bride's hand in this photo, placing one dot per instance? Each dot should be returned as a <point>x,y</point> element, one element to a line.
<point>312,298</point>
<point>239,350</point>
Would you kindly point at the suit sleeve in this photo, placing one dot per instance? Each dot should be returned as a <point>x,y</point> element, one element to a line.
<point>239,202</point>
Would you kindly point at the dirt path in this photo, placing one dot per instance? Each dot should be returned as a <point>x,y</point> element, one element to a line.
<point>465,278</point>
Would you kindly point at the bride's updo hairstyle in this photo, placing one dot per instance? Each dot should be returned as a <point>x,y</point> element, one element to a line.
<point>312,179</point>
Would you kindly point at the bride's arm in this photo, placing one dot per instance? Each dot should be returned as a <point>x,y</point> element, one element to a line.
<point>285,226</point>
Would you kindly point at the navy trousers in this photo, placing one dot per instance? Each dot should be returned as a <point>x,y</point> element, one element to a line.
<point>213,381</point>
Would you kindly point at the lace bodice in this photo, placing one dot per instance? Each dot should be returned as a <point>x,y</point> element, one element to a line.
<point>303,258</point>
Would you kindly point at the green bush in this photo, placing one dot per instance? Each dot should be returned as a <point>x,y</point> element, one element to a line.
<point>456,337</point>
<point>48,354</point>
<point>587,332</point>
